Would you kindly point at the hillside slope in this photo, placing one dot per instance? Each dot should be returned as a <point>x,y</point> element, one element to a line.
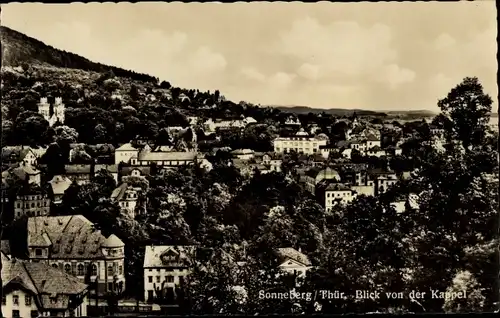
<point>18,48</point>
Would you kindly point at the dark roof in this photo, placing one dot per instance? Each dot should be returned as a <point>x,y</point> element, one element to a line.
<point>42,280</point>
<point>289,253</point>
<point>111,168</point>
<point>78,169</point>
<point>126,171</point>
<point>337,187</point>
<point>69,237</point>
<point>14,153</point>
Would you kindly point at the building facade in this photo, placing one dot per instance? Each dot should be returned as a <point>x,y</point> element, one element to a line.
<point>74,245</point>
<point>165,269</point>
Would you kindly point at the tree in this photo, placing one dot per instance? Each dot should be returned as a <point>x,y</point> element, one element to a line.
<point>471,300</point>
<point>468,107</point>
<point>165,84</point>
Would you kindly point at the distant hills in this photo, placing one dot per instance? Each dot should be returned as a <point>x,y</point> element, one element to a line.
<point>19,49</point>
<point>360,112</point>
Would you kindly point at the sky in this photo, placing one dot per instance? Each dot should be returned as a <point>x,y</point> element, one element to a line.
<point>374,56</point>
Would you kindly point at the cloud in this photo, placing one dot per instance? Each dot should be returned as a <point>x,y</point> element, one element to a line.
<point>204,60</point>
<point>309,71</point>
<point>444,41</point>
<point>395,75</point>
<point>253,74</point>
<point>343,48</point>
<point>281,80</point>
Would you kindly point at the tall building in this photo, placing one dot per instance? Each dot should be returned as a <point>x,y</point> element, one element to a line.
<point>58,110</point>
<point>301,142</point>
<point>74,245</point>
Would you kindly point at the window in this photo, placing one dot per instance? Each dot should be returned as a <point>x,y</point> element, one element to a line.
<point>150,279</point>
<point>150,294</point>
<point>158,279</point>
<point>169,279</point>
<point>38,252</point>
<point>27,300</point>
<point>67,268</point>
<point>15,300</point>
<point>80,270</point>
<point>110,270</point>
<point>120,270</point>
<point>15,313</point>
<point>94,270</point>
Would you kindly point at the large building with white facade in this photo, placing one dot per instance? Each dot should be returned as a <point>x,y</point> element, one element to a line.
<point>301,142</point>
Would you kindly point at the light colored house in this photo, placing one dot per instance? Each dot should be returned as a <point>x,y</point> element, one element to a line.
<point>33,289</point>
<point>164,159</point>
<point>79,173</point>
<point>166,268</point>
<point>73,244</point>
<point>243,154</point>
<point>273,160</point>
<point>125,152</point>
<point>59,185</point>
<point>337,193</point>
<point>293,262</point>
<point>126,196</point>
<point>291,121</point>
<point>368,190</point>
<point>34,203</point>
<point>301,142</point>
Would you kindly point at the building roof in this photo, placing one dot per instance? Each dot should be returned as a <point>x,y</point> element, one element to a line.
<point>14,153</point>
<point>126,171</point>
<point>60,184</point>
<point>337,187</point>
<point>168,156</point>
<point>42,280</point>
<point>372,137</point>
<point>78,169</point>
<point>289,253</point>
<point>110,168</point>
<point>242,152</point>
<point>126,147</point>
<point>154,253</point>
<point>119,193</point>
<point>70,237</point>
<point>113,241</point>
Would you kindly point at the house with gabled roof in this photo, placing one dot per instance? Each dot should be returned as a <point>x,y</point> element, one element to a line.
<point>59,184</point>
<point>126,196</point>
<point>31,289</point>
<point>293,261</point>
<point>74,244</point>
<point>165,269</point>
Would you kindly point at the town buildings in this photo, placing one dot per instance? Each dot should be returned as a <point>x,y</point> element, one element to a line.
<point>301,142</point>
<point>165,269</point>
<point>31,289</point>
<point>74,245</point>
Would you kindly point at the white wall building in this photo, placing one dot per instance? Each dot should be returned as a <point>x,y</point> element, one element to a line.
<point>300,143</point>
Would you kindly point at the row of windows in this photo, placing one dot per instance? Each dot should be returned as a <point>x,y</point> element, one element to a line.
<point>19,205</point>
<point>295,143</point>
<point>81,269</point>
<point>15,300</point>
<point>343,194</point>
<point>15,313</point>
<point>164,163</point>
<point>31,213</point>
<point>168,279</point>
<point>31,197</point>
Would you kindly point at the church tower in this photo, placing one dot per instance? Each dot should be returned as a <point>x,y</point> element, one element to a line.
<point>44,108</point>
<point>59,109</point>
